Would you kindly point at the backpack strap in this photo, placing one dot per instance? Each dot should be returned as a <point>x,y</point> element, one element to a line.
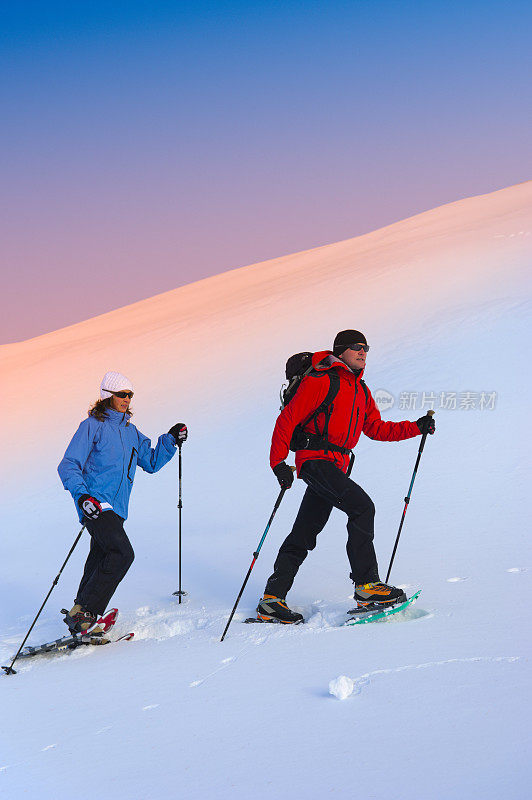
<point>366,390</point>
<point>303,440</point>
<point>324,406</point>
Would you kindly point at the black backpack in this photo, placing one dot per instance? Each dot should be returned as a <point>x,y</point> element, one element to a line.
<point>298,367</point>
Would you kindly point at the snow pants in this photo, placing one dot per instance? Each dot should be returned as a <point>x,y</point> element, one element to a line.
<point>110,557</point>
<point>327,488</point>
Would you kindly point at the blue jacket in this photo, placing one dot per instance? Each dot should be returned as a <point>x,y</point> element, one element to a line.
<point>102,458</point>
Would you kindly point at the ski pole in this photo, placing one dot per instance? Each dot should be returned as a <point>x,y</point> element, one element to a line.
<point>180,593</point>
<point>9,670</point>
<point>255,556</point>
<point>430,413</point>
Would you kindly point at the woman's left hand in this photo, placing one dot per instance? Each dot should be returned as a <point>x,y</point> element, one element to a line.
<point>180,432</point>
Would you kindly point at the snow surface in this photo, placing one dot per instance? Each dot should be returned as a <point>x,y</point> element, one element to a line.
<point>438,707</point>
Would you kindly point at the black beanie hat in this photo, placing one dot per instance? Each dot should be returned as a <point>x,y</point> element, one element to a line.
<point>343,339</point>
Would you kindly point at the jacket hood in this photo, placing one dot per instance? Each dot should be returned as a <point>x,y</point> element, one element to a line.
<point>325,359</point>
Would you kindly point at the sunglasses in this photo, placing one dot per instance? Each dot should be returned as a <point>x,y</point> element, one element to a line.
<point>357,347</point>
<point>122,395</point>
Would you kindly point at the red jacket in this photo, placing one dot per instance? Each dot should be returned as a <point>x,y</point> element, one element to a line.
<point>351,415</point>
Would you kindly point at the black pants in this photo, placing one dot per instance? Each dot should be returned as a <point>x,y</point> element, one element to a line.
<point>328,487</point>
<point>110,557</point>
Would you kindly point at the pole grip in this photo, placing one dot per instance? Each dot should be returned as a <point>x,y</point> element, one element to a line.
<point>430,413</point>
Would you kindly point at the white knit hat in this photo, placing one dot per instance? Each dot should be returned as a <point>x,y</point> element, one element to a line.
<point>114,382</point>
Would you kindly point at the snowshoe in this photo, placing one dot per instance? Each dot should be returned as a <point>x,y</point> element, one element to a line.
<point>89,623</point>
<point>362,615</point>
<point>78,619</point>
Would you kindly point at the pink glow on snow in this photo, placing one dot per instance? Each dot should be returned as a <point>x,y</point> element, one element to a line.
<point>202,342</point>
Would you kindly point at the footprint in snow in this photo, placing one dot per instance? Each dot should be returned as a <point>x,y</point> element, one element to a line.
<point>517,569</point>
<point>456,580</point>
<point>149,708</point>
<point>48,747</point>
<point>228,660</point>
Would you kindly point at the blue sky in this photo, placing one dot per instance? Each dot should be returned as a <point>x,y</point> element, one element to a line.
<point>150,144</point>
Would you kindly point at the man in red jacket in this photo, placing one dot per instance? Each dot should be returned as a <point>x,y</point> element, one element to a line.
<point>327,435</point>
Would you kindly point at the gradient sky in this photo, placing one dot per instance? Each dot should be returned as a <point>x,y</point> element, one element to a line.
<point>145,145</point>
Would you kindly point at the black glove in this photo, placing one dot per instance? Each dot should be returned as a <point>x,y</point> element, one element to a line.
<point>284,475</point>
<point>90,506</point>
<point>426,424</point>
<point>179,432</point>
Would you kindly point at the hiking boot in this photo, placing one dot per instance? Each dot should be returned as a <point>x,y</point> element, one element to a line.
<point>79,620</point>
<point>274,609</point>
<point>377,595</point>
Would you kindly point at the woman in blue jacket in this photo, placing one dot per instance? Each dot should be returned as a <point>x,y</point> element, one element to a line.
<point>98,469</point>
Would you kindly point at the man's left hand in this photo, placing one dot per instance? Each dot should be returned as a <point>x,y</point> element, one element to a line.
<point>426,424</point>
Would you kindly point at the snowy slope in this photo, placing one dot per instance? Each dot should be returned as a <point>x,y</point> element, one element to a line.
<point>444,299</point>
